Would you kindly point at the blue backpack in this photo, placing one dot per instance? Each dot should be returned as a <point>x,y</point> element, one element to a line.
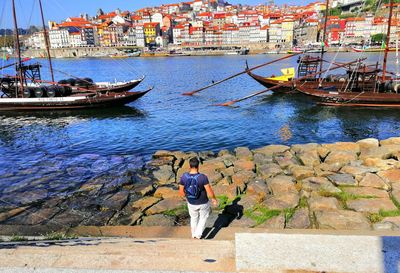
<point>192,189</point>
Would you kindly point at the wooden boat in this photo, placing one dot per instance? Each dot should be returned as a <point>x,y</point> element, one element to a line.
<point>366,86</point>
<point>87,84</point>
<point>371,49</point>
<point>308,66</point>
<point>27,91</point>
<point>74,101</point>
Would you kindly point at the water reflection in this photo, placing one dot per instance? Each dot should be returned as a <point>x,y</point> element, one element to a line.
<point>51,115</point>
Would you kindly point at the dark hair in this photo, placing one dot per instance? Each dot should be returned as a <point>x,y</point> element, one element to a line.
<point>194,162</point>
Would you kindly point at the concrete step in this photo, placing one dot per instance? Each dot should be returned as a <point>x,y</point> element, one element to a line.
<point>132,254</point>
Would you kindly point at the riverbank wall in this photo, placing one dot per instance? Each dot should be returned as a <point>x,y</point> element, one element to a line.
<point>339,186</point>
<point>105,52</point>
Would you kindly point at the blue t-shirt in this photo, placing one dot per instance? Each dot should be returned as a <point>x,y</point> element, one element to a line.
<point>202,180</point>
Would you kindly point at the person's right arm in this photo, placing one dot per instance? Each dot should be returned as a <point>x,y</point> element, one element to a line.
<point>211,195</point>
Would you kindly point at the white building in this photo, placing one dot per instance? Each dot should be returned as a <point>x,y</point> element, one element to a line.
<point>59,38</point>
<point>140,38</point>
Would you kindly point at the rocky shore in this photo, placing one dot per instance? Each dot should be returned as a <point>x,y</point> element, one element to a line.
<point>343,186</point>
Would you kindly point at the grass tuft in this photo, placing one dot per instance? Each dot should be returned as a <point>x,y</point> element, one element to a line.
<point>303,203</point>
<point>289,212</point>
<point>18,238</point>
<point>182,210</point>
<point>224,201</point>
<point>260,214</point>
<point>389,213</point>
<point>345,196</point>
<point>375,218</point>
<point>56,236</point>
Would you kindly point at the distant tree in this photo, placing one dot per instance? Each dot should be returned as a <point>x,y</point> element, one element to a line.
<point>335,11</point>
<point>7,41</point>
<point>378,38</point>
<point>32,29</point>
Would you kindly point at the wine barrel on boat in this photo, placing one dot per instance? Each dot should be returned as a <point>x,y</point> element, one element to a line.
<point>54,91</point>
<point>41,92</point>
<point>29,92</point>
<point>58,91</point>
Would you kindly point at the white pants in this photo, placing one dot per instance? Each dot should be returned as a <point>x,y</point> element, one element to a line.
<point>198,217</point>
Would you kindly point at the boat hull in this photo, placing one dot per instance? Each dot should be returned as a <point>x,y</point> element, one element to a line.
<point>72,102</point>
<point>287,87</point>
<point>362,99</point>
<point>112,88</point>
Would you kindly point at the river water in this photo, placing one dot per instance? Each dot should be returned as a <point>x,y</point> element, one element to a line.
<point>38,149</point>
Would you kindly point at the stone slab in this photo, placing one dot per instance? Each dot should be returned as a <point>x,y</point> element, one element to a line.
<point>267,252</point>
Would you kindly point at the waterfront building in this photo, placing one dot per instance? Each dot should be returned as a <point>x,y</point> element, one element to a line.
<point>287,29</point>
<point>157,18</point>
<point>89,36</point>
<point>151,31</point>
<point>213,36</point>
<point>306,32</point>
<point>177,34</point>
<point>36,41</point>
<point>197,37</point>
<point>275,33</point>
<point>59,38</point>
<point>264,34</point>
<point>219,20</point>
<point>75,39</point>
<point>140,37</point>
<point>354,30</point>
<point>230,34</point>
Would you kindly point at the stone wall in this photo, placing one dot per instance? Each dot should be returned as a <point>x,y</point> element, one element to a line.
<point>343,186</point>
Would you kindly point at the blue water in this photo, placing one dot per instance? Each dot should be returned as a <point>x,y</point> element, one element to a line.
<point>77,145</point>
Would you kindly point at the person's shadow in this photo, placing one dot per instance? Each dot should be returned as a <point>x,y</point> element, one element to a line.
<point>225,218</point>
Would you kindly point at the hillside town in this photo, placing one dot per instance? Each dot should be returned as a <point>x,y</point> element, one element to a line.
<point>205,23</point>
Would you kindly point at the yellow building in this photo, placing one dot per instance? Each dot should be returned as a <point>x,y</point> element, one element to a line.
<point>151,31</point>
<point>287,30</point>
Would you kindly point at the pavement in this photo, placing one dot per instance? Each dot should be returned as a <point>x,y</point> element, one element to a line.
<point>149,249</point>
<point>136,249</point>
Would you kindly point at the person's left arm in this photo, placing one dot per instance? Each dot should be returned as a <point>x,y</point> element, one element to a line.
<point>182,191</point>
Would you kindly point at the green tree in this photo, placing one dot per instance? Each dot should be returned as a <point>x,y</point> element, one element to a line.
<point>335,11</point>
<point>378,38</point>
<point>7,41</point>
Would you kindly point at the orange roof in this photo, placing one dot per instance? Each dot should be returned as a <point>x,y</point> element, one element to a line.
<point>152,24</point>
<point>108,15</point>
<point>77,19</point>
<point>355,19</point>
<point>204,14</point>
<point>219,16</point>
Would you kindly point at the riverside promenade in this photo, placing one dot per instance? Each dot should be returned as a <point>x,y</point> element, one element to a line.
<point>161,249</point>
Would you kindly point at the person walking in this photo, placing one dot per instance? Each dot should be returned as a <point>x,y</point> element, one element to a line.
<point>195,187</point>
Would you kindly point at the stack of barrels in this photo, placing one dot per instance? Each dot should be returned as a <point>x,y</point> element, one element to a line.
<point>63,88</point>
<point>50,91</point>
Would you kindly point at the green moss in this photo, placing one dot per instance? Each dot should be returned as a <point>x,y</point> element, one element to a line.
<point>389,213</point>
<point>17,238</point>
<point>375,218</point>
<point>182,210</point>
<point>289,214</point>
<point>55,236</point>
<point>395,202</point>
<point>303,203</point>
<point>224,201</point>
<point>260,214</point>
<point>345,196</point>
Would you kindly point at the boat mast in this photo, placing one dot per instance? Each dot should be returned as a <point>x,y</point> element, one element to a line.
<point>46,40</point>
<point>19,63</point>
<point>387,41</point>
<point>324,37</point>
